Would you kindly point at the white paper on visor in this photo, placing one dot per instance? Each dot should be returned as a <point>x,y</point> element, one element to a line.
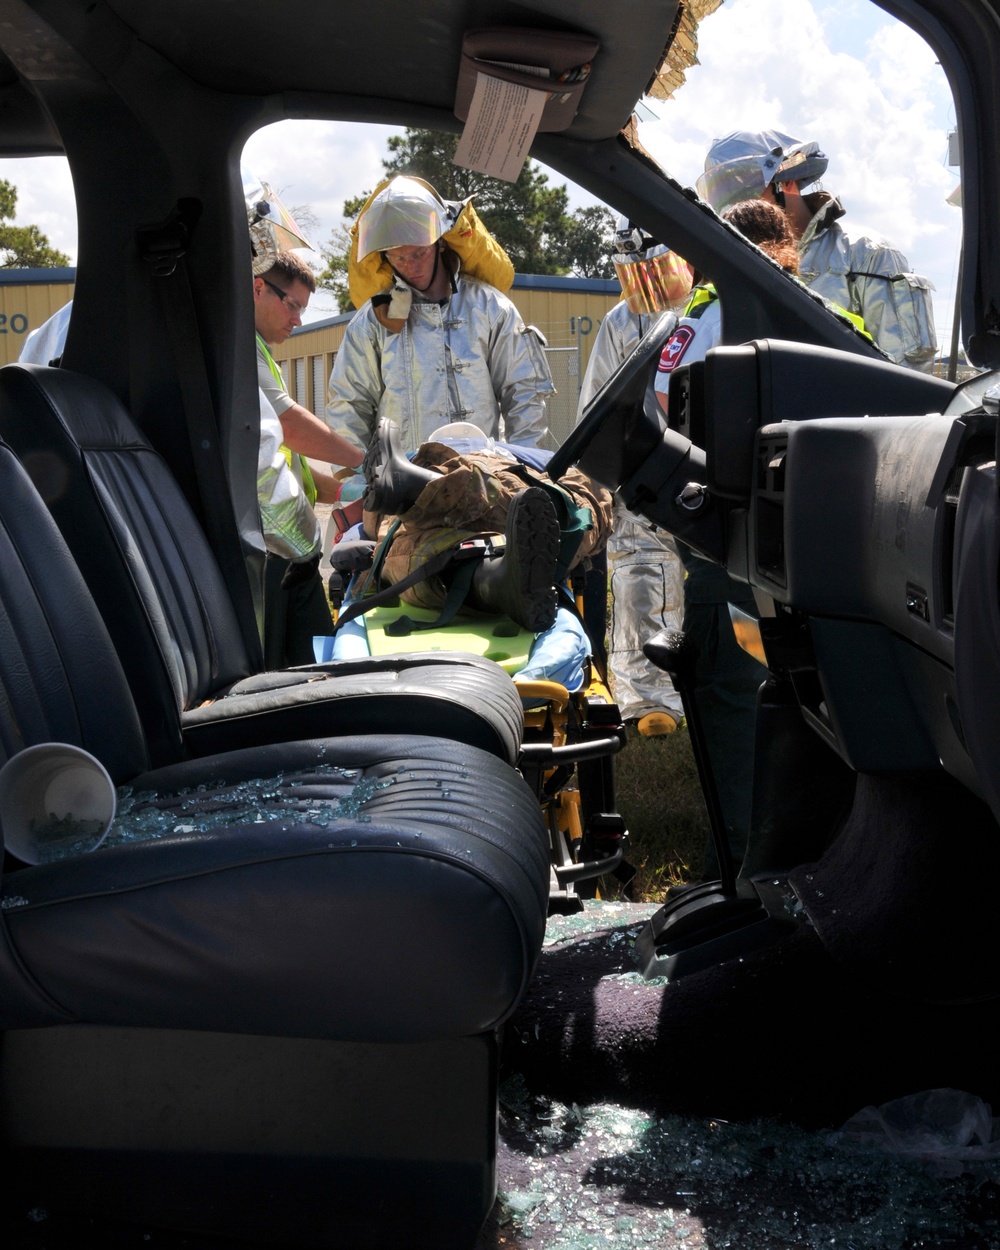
<point>501,126</point>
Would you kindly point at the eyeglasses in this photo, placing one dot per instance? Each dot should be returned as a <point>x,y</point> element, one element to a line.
<point>397,256</point>
<point>292,305</point>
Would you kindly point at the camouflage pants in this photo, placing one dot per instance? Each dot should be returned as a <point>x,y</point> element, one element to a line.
<point>471,499</point>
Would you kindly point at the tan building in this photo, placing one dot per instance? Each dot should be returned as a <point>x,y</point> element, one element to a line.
<point>29,297</point>
<point>566,310</point>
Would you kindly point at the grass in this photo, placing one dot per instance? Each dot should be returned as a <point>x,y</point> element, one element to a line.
<point>660,798</point>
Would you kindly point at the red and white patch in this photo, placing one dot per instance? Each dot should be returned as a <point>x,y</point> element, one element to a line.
<point>674,349</point>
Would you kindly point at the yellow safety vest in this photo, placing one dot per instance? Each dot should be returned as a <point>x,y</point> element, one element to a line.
<point>702,296</point>
<point>308,482</point>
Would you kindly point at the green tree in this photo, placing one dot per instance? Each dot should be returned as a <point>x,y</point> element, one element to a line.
<point>589,243</point>
<point>529,218</point>
<point>333,275</point>
<point>23,247</point>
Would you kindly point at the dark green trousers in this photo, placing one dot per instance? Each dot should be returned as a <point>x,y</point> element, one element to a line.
<point>292,617</point>
<point>725,691</point>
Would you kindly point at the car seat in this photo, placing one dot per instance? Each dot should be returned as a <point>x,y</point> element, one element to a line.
<point>159,588</point>
<point>278,1025</point>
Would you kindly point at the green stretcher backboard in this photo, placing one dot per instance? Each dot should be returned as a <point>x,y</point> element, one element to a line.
<point>496,638</point>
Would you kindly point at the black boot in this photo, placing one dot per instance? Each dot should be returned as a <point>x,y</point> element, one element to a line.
<point>394,483</point>
<point>521,582</point>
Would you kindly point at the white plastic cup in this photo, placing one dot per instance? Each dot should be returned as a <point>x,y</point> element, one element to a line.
<point>56,800</point>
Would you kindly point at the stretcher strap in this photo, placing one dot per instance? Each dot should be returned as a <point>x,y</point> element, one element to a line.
<point>458,591</point>
<point>465,557</point>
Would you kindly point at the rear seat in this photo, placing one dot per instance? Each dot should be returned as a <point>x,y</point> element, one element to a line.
<point>164,601</point>
<point>281,1028</point>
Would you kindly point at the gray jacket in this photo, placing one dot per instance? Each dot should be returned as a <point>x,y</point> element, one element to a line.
<point>469,359</point>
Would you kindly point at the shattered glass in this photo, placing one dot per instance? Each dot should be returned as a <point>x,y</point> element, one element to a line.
<point>215,806</point>
<point>321,796</point>
<point>603,1176</point>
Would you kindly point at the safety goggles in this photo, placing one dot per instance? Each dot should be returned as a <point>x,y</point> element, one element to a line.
<point>292,305</point>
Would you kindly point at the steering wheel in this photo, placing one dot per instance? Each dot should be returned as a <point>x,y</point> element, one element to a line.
<point>623,423</point>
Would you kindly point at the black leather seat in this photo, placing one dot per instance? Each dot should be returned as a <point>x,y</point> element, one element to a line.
<point>162,595</point>
<point>283,1000</point>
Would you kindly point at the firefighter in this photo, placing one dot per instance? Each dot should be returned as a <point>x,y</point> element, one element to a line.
<point>434,340</point>
<point>646,575</point>
<point>849,266</point>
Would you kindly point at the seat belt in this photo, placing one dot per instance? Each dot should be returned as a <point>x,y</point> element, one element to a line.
<point>164,247</point>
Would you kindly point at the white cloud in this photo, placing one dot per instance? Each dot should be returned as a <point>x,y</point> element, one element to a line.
<point>319,163</point>
<point>45,198</point>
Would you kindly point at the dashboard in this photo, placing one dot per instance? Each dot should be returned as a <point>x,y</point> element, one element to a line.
<point>859,500</point>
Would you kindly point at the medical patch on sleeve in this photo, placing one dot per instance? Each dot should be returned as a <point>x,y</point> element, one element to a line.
<point>674,349</point>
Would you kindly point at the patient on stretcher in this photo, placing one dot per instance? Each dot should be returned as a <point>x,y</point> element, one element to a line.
<point>473,527</point>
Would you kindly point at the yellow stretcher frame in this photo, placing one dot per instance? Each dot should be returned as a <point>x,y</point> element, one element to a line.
<point>569,742</point>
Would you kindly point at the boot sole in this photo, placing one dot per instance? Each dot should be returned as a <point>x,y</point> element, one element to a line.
<point>380,492</point>
<point>532,534</point>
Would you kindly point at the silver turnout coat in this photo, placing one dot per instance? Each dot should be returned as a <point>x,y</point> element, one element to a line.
<point>470,359</point>
<point>868,276</point>
<point>645,572</point>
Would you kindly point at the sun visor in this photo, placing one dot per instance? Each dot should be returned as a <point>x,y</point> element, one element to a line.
<point>513,83</point>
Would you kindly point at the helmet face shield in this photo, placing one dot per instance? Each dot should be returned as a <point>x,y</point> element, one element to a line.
<point>742,178</point>
<point>742,164</point>
<point>653,281</point>
<point>272,226</point>
<point>404,214</point>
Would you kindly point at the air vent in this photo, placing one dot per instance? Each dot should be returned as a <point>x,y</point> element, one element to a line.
<point>769,510</point>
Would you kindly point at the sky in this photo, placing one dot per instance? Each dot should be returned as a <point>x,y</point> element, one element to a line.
<point>839,71</point>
